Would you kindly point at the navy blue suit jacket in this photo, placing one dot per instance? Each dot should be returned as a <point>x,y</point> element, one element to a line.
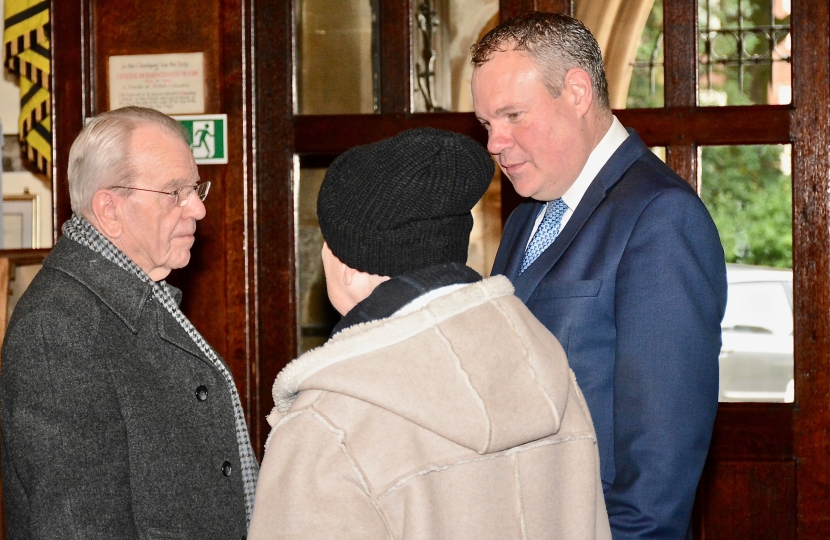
<point>634,288</point>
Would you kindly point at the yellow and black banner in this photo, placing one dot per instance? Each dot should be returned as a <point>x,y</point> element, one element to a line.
<point>26,42</point>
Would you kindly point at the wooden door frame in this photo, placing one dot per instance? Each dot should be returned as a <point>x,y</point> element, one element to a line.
<point>776,433</point>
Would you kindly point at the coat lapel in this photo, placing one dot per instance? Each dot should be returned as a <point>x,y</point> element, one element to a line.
<point>625,156</point>
<point>172,332</point>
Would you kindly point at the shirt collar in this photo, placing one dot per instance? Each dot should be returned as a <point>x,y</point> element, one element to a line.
<point>600,155</point>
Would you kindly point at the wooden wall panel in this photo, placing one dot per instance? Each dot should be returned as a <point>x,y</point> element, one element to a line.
<point>333,134</point>
<point>747,499</point>
<point>680,67</point>
<point>511,8</point>
<point>394,56</point>
<point>276,261</point>
<point>71,69</point>
<point>172,26</point>
<point>811,257</point>
<point>182,26</point>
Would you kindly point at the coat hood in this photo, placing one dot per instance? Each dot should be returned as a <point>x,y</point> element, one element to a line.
<point>473,366</point>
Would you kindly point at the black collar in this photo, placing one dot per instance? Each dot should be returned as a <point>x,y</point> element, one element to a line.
<point>392,295</point>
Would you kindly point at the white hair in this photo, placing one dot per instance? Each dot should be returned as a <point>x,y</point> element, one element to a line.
<point>100,156</point>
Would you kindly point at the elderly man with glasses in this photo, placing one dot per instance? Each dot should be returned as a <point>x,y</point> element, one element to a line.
<point>119,420</point>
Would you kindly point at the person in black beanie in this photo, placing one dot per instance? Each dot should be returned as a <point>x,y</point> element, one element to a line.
<point>400,206</point>
<point>440,407</point>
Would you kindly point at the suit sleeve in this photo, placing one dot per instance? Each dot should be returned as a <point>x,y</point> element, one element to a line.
<point>309,488</point>
<point>670,298</point>
<point>65,464</point>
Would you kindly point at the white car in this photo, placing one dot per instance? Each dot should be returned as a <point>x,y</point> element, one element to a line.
<point>756,359</point>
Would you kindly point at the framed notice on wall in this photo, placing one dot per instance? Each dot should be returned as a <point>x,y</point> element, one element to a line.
<point>170,83</point>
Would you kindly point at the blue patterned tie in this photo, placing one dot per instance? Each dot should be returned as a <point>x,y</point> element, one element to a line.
<point>546,233</point>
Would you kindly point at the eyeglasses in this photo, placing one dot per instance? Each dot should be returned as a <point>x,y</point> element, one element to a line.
<point>182,195</point>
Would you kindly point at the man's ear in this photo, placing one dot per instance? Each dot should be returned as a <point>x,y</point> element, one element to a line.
<point>578,84</point>
<point>348,275</point>
<point>107,213</point>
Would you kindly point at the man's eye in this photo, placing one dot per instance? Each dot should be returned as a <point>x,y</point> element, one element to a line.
<point>513,115</point>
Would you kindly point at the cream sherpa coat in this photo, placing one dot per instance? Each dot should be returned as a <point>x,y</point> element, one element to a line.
<point>460,420</point>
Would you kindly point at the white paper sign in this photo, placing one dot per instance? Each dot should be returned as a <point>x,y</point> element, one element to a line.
<point>170,83</point>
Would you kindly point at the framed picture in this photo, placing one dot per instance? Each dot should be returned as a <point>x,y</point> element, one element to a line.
<point>21,221</point>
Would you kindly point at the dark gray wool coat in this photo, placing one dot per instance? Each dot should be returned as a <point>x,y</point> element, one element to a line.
<point>115,425</point>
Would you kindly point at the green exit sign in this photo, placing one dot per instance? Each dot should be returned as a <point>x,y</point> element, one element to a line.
<point>208,137</point>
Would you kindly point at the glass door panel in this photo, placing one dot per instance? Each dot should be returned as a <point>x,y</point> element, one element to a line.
<point>745,52</point>
<point>335,66</point>
<point>442,33</point>
<point>748,190</point>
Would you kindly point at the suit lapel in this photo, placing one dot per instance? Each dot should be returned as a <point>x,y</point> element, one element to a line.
<point>625,156</point>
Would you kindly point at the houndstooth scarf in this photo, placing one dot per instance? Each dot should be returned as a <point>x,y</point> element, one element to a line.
<point>81,231</point>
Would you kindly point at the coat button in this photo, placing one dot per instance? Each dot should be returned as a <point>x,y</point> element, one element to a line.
<point>201,393</point>
<point>226,468</point>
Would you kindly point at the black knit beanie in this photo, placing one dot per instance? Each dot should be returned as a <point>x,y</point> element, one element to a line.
<point>403,203</point>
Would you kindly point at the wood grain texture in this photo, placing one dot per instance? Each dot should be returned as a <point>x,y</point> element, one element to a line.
<point>334,134</point>
<point>682,129</point>
<point>71,22</point>
<point>512,8</point>
<point>747,499</point>
<point>238,182</point>
<point>680,52</point>
<point>276,264</point>
<point>680,68</point>
<point>5,267</point>
<point>701,126</point>
<point>395,25</point>
<point>753,431</point>
<point>811,256</point>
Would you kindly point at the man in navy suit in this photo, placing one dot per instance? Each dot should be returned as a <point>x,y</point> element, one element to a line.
<point>617,256</point>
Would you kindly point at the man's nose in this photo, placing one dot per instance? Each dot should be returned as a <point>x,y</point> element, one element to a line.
<point>194,208</point>
<point>498,140</point>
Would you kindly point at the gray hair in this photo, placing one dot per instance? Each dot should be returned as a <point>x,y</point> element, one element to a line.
<point>100,156</point>
<point>556,42</point>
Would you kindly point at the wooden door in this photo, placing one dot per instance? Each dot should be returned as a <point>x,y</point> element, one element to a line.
<point>767,474</point>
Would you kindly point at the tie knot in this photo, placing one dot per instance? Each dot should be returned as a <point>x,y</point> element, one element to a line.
<point>556,207</point>
<point>546,233</point>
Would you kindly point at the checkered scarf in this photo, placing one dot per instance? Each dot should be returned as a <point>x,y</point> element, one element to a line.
<point>81,231</point>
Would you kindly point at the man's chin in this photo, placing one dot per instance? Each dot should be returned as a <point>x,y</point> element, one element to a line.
<point>523,188</point>
<point>179,259</point>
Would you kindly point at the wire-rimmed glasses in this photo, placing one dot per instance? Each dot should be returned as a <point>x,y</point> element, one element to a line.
<point>181,195</point>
